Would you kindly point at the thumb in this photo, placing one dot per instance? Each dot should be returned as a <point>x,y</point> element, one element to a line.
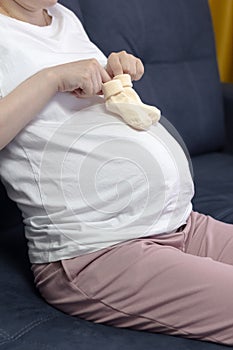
<point>105,76</point>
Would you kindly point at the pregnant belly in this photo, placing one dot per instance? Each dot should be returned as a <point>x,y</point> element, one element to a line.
<point>97,171</point>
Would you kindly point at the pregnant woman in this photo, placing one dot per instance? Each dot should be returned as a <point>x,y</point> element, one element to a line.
<point>111,233</point>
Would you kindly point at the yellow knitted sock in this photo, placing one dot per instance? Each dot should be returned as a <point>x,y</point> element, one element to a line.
<point>124,101</point>
<point>153,112</point>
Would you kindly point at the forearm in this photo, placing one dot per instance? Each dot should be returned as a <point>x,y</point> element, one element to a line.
<point>19,107</point>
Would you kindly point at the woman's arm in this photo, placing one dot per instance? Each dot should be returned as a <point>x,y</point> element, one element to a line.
<point>19,107</point>
<point>23,103</point>
<point>83,78</point>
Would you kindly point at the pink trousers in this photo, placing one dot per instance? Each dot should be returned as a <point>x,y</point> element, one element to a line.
<point>178,284</point>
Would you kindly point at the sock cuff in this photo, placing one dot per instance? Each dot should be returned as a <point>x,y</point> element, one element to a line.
<point>112,88</point>
<point>125,80</point>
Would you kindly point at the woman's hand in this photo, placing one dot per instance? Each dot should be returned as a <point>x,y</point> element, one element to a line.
<point>83,78</point>
<point>122,62</point>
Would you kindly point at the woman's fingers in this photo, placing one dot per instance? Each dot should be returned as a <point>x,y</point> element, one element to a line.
<point>122,62</point>
<point>84,78</point>
<point>114,65</point>
<point>104,75</point>
<point>139,69</point>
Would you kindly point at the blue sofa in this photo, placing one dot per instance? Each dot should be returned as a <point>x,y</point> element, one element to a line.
<point>175,41</point>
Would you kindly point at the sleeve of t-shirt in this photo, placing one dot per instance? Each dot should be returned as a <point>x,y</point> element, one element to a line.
<point>101,56</point>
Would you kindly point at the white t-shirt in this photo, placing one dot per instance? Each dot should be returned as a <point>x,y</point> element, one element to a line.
<point>83,179</point>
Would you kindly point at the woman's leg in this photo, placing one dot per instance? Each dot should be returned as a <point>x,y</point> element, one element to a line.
<point>208,237</point>
<point>148,284</point>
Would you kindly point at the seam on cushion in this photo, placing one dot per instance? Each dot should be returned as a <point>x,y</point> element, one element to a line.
<point>43,346</point>
<point>4,334</point>
<point>180,61</point>
<point>224,214</point>
<point>27,329</point>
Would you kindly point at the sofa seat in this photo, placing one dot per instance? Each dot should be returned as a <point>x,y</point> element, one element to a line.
<point>28,322</point>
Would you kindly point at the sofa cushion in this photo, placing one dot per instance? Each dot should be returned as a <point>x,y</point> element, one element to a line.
<point>28,322</point>
<point>179,56</point>
<point>213,175</point>
<point>74,6</point>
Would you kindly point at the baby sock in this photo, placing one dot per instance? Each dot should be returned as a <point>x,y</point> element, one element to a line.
<point>122,99</point>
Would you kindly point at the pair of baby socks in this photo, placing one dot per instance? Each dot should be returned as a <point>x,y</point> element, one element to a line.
<point>122,99</point>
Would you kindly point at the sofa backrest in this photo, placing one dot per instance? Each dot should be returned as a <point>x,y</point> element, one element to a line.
<point>175,41</point>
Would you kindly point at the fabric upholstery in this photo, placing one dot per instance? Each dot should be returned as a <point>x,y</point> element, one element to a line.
<point>213,177</point>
